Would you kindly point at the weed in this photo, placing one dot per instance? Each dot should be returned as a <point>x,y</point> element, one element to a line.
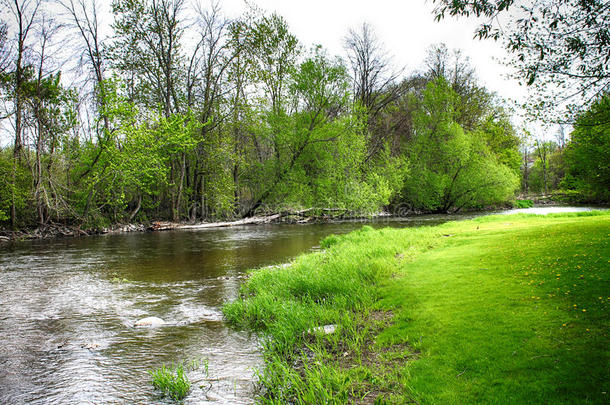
<point>171,381</point>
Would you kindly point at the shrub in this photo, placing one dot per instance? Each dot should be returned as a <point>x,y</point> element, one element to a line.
<point>524,204</point>
<point>570,197</point>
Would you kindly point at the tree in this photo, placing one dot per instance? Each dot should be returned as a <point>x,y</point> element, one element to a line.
<point>147,51</point>
<point>373,81</point>
<point>588,152</point>
<point>273,51</point>
<point>372,75</point>
<point>24,13</point>
<point>449,168</point>
<point>455,68</point>
<point>543,149</point>
<point>206,92</point>
<point>52,115</point>
<point>560,47</point>
<point>83,19</point>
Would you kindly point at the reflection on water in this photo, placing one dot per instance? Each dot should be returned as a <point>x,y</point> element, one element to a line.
<point>67,315</point>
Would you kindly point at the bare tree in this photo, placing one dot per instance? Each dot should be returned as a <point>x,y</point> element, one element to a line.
<point>83,18</point>
<point>372,75</point>
<point>25,13</point>
<point>209,63</point>
<point>147,51</point>
<point>373,80</point>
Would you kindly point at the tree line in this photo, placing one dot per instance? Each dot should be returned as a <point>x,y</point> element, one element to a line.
<point>561,49</point>
<point>181,113</point>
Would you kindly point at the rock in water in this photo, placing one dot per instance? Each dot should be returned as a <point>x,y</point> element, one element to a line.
<point>150,321</point>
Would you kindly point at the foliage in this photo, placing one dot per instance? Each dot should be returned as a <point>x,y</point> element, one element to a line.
<point>18,192</point>
<point>548,167</point>
<point>588,153</point>
<point>569,197</point>
<point>558,46</point>
<point>524,204</point>
<point>471,311</point>
<point>240,121</point>
<point>171,381</point>
<point>450,169</point>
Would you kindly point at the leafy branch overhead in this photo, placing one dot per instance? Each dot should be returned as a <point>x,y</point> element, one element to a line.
<point>559,47</point>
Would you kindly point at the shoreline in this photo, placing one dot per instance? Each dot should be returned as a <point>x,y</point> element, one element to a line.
<point>58,231</point>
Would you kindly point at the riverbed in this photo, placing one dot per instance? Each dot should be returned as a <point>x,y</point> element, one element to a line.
<point>68,308</point>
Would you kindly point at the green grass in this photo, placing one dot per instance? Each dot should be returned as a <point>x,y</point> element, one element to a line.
<point>502,309</point>
<point>171,381</point>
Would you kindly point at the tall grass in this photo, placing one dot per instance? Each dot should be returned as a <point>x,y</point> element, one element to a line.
<point>172,382</point>
<point>336,286</point>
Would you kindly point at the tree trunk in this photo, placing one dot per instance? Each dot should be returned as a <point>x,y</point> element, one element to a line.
<point>137,209</point>
<point>176,210</point>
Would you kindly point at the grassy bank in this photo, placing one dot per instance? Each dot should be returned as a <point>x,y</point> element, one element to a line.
<point>502,309</point>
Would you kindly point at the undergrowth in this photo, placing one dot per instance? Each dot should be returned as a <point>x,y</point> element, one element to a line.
<point>524,204</point>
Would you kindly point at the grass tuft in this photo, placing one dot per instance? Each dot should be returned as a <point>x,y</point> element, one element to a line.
<point>172,382</point>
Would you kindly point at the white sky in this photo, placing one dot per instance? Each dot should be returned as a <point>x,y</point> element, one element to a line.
<point>406,28</point>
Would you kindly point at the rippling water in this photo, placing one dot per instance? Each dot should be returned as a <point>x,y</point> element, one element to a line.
<point>68,306</point>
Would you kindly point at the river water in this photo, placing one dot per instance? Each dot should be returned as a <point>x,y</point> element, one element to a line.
<point>68,308</point>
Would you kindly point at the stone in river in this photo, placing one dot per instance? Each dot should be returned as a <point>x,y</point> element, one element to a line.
<point>150,321</point>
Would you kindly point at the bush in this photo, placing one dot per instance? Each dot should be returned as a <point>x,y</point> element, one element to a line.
<point>569,197</point>
<point>524,204</point>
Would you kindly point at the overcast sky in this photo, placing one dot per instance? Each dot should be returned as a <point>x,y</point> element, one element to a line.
<point>406,28</point>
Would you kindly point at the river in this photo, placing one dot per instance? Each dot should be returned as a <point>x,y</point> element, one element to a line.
<point>68,308</point>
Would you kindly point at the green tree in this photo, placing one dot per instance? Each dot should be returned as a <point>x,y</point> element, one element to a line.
<point>541,178</point>
<point>449,168</point>
<point>588,152</point>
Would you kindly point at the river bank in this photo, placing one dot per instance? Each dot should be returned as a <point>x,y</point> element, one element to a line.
<point>51,231</point>
<point>306,216</point>
<point>58,230</point>
<point>496,309</point>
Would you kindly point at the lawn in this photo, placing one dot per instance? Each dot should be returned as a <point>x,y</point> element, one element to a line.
<point>502,309</point>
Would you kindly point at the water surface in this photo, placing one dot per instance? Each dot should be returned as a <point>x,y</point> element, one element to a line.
<point>67,309</point>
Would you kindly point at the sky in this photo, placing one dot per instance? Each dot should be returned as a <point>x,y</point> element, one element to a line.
<point>405,27</point>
